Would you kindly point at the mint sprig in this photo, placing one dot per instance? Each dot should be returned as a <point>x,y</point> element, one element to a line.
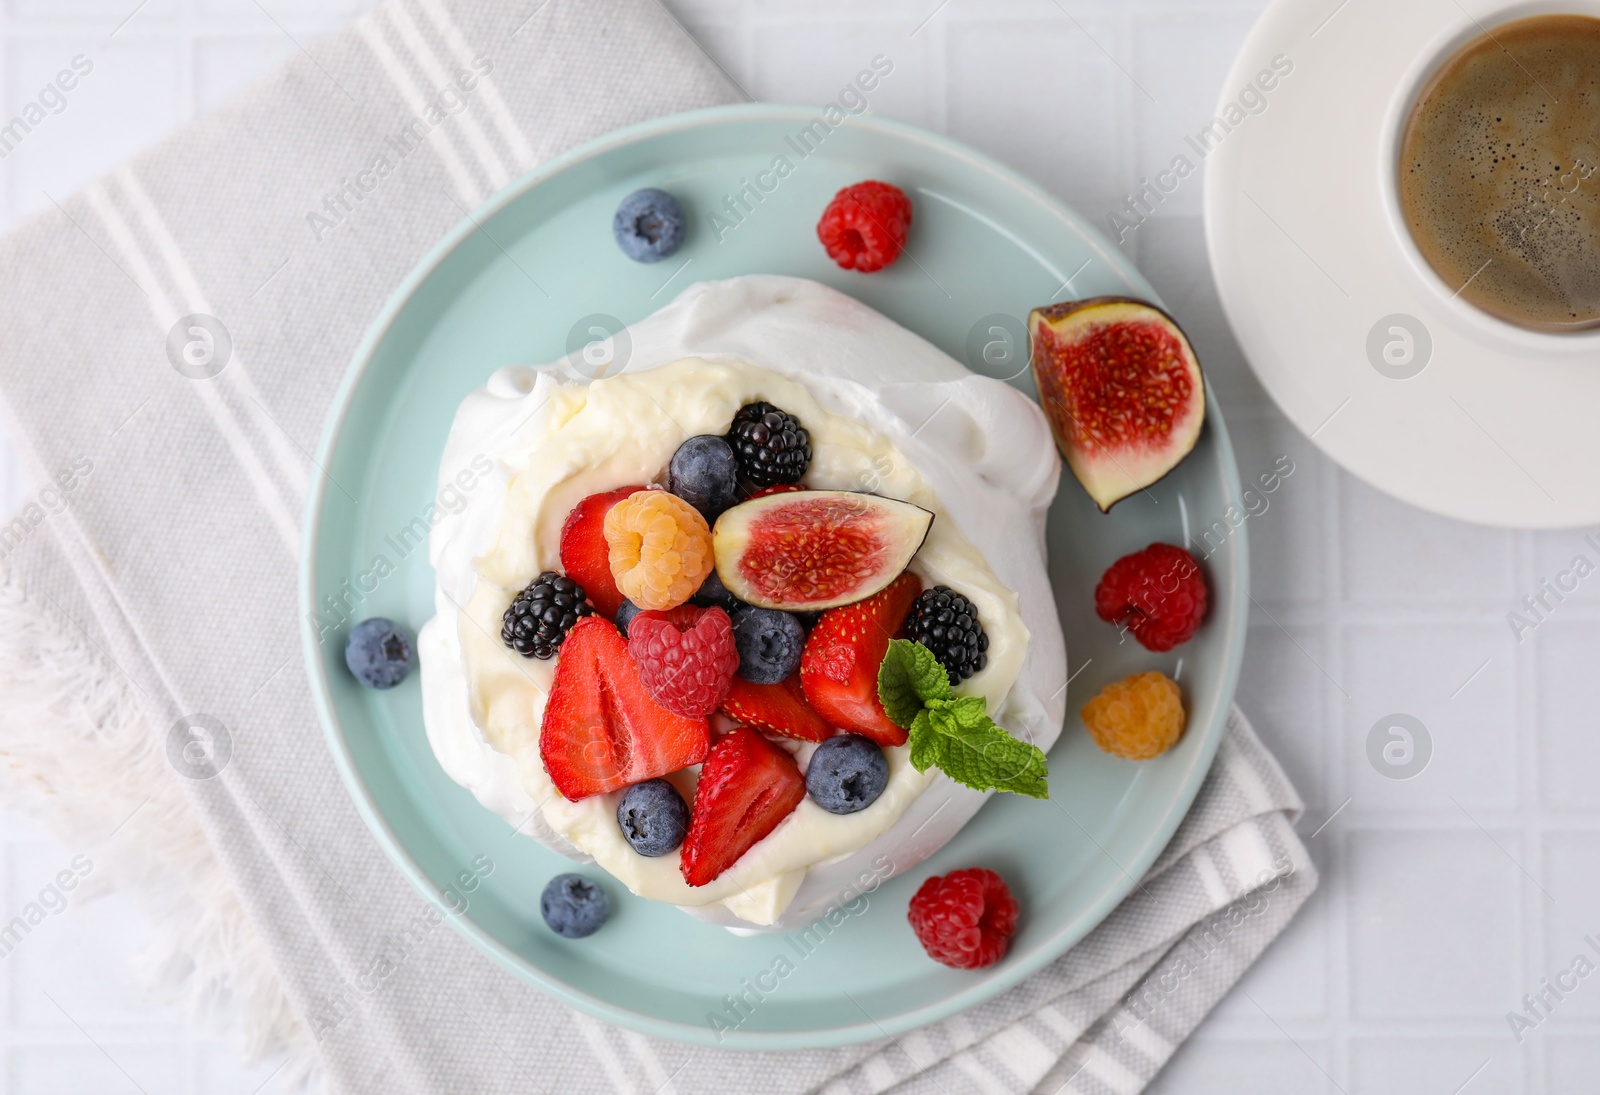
<point>909,678</point>
<point>954,733</point>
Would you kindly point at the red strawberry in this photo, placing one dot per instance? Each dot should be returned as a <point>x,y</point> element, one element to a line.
<point>584,555</point>
<point>686,657</point>
<point>602,731</point>
<point>747,786</point>
<point>776,708</point>
<point>839,667</point>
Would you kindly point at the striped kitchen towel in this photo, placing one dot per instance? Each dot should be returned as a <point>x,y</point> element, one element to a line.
<point>152,576</point>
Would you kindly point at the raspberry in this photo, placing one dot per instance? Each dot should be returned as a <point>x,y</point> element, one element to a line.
<point>659,548</point>
<point>1159,594</point>
<point>686,658</point>
<point>965,918</point>
<point>864,226</point>
<point>1136,718</point>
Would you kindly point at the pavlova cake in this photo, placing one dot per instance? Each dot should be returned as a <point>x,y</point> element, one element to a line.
<point>755,615</point>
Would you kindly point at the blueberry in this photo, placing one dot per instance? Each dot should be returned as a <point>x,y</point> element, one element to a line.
<point>653,817</point>
<point>626,611</point>
<point>847,773</point>
<point>712,593</point>
<point>769,643</point>
<point>573,906</point>
<point>379,653</point>
<point>704,473</point>
<point>648,225</point>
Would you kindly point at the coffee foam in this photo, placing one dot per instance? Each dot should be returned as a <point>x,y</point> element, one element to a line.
<point>1499,172</point>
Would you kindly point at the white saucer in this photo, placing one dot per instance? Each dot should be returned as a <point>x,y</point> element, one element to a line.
<point>1314,267</point>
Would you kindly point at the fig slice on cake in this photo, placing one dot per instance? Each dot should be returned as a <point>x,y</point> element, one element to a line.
<point>806,550</point>
<point>1122,389</point>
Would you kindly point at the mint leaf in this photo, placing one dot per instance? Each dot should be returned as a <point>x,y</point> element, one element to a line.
<point>925,741</point>
<point>971,714</point>
<point>954,733</point>
<point>908,679</point>
<point>960,738</point>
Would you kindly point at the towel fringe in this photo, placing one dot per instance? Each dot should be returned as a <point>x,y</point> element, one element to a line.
<point>78,754</point>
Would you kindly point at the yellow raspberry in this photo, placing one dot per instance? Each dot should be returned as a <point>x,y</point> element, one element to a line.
<point>1136,718</point>
<point>659,548</point>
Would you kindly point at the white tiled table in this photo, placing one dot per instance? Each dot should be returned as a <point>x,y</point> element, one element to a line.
<point>1445,897</point>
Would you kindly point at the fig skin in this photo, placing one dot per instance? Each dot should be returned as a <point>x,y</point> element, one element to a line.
<point>1108,476</point>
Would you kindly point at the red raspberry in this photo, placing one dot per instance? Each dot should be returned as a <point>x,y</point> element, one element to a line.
<point>1158,593</point>
<point>686,657</point>
<point>964,919</point>
<point>864,226</point>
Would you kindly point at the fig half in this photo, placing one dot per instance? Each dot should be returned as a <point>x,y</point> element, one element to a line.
<point>1122,389</point>
<point>806,550</point>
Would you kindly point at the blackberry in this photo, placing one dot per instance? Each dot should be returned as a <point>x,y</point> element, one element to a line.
<point>771,445</point>
<point>947,623</point>
<point>539,619</point>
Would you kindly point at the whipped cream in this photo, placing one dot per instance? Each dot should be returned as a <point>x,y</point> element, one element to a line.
<point>887,412</point>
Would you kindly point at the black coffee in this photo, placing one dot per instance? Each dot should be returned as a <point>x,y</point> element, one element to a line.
<point>1499,172</point>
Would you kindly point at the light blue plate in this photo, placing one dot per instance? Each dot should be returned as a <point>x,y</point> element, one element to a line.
<point>508,286</point>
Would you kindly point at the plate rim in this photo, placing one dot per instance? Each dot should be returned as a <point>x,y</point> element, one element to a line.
<point>1015,971</point>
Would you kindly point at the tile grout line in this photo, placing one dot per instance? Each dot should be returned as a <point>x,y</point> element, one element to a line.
<point>1525,707</point>
<point>1123,38</point>
<point>8,220</point>
<point>937,48</point>
<point>1339,942</point>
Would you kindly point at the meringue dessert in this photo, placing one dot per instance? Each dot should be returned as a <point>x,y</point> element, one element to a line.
<point>746,612</point>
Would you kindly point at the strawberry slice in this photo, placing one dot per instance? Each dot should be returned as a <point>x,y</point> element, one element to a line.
<point>602,731</point>
<point>584,555</point>
<point>776,708</point>
<point>747,786</point>
<point>839,667</point>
